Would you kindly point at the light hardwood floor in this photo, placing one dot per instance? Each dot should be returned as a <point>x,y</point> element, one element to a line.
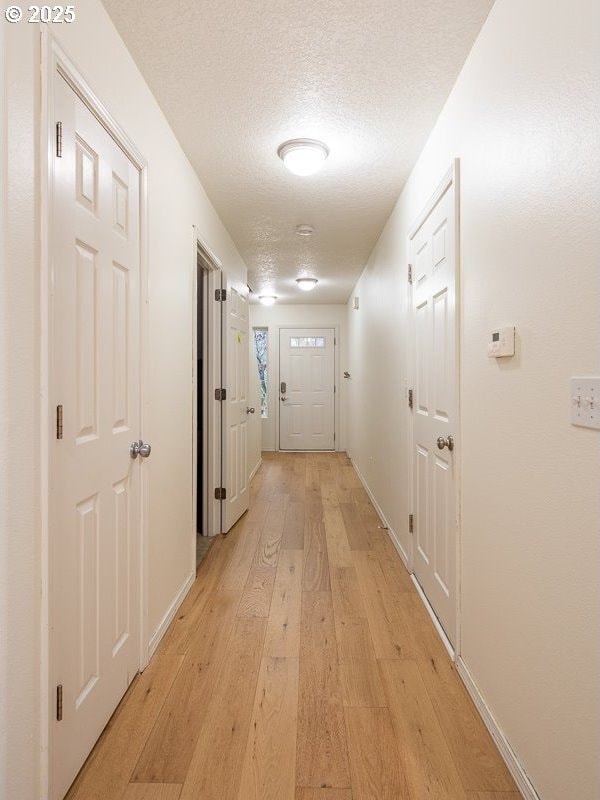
<point>302,666</point>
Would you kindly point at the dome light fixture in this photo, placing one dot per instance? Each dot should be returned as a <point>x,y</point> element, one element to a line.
<point>306,284</point>
<point>267,299</point>
<point>305,230</point>
<point>303,156</point>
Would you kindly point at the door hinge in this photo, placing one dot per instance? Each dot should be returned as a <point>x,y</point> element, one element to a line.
<point>220,394</point>
<point>220,295</point>
<point>220,493</point>
<point>334,389</point>
<point>411,523</point>
<point>410,273</point>
<point>59,139</point>
<point>59,422</point>
<point>59,702</point>
<point>410,398</point>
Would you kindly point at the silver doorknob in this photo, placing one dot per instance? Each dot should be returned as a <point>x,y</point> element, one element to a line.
<point>249,411</point>
<point>140,448</point>
<point>283,399</point>
<point>449,443</point>
<point>145,449</point>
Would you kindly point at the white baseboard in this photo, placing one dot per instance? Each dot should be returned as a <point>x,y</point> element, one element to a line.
<point>169,616</point>
<point>256,468</point>
<point>508,754</point>
<point>392,533</point>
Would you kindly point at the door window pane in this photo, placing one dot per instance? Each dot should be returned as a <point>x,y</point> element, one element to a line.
<point>307,341</point>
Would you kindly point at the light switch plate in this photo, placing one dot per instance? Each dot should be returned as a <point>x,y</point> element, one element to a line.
<point>585,402</point>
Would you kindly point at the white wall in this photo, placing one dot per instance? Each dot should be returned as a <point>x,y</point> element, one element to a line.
<point>524,119</point>
<point>306,316</point>
<point>176,202</point>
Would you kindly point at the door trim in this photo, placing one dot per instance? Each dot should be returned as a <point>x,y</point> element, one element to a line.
<point>336,378</point>
<point>54,63</point>
<point>451,177</point>
<point>214,268</point>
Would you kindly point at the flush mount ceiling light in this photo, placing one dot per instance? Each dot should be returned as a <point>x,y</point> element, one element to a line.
<point>267,299</point>
<point>306,284</point>
<point>303,156</point>
<point>304,230</point>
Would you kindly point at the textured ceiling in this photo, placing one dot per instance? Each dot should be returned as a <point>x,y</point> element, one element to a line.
<point>237,78</point>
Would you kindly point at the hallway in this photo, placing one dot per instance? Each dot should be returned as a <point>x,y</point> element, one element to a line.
<point>302,665</point>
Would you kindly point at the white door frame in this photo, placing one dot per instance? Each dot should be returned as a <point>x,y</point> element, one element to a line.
<point>451,177</point>
<point>336,378</point>
<point>56,63</point>
<point>212,374</point>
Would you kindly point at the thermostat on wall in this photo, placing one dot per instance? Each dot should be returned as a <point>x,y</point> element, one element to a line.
<point>502,342</point>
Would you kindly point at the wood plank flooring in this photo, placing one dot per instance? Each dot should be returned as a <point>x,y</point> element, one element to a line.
<point>302,665</point>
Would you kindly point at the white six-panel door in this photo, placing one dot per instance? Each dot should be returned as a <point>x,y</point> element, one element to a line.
<point>433,259</point>
<point>235,448</point>
<point>94,483</point>
<point>307,385</point>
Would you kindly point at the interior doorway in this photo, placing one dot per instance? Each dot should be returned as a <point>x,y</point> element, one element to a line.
<point>96,455</point>
<point>207,404</point>
<point>433,248</point>
<point>201,408</point>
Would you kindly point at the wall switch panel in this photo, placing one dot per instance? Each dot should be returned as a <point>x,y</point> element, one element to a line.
<point>585,402</point>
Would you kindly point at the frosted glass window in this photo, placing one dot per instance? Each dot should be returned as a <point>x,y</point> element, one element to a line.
<point>307,341</point>
<point>261,343</point>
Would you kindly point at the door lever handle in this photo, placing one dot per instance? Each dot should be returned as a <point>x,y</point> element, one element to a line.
<point>449,442</point>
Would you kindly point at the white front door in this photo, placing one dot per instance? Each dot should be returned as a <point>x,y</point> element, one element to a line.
<point>307,386</point>
<point>433,259</point>
<point>235,448</point>
<point>94,482</point>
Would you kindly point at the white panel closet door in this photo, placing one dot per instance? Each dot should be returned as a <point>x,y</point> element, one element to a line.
<point>235,450</point>
<point>95,484</point>
<point>435,409</point>
<point>307,385</point>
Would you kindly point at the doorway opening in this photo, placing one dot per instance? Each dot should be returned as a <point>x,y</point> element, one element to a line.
<point>202,539</point>
<point>206,385</point>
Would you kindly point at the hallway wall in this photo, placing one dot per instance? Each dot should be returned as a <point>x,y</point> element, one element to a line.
<point>524,118</point>
<point>177,201</point>
<point>307,316</point>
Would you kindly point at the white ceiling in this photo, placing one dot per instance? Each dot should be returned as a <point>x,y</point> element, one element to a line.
<point>235,78</point>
